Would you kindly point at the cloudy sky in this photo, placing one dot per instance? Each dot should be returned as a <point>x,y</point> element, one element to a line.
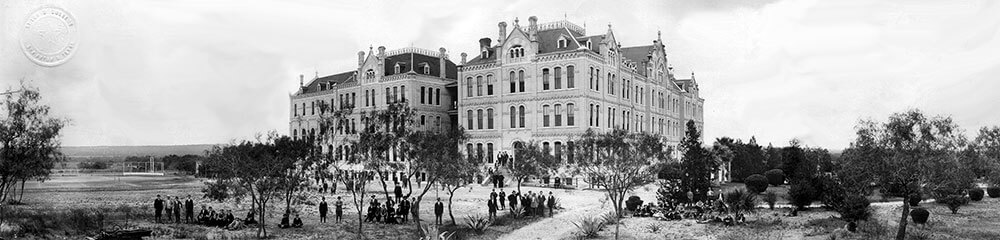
<point>190,72</point>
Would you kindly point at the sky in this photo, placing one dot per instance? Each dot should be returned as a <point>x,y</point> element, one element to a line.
<point>202,72</point>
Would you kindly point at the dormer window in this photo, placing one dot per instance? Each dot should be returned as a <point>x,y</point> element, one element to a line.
<point>516,51</point>
<point>589,45</point>
<point>322,86</point>
<point>562,43</point>
<point>427,69</point>
<point>395,69</point>
<point>486,53</point>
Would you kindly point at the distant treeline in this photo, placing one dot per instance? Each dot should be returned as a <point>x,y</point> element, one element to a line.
<point>185,163</point>
<point>749,158</point>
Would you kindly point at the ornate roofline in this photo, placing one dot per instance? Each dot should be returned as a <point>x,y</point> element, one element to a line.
<point>416,50</point>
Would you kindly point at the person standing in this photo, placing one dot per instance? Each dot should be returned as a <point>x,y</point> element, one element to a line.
<point>177,209</point>
<point>551,204</point>
<point>168,209</point>
<point>398,191</point>
<point>493,195</point>
<point>500,181</point>
<point>541,204</point>
<point>404,209</point>
<point>438,210</point>
<point>512,200</point>
<point>158,208</point>
<point>502,197</point>
<point>322,210</point>
<point>338,209</point>
<point>492,206</point>
<point>189,209</point>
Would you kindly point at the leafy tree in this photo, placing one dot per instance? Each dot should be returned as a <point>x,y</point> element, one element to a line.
<point>621,160</point>
<point>30,140</point>
<point>895,154</point>
<point>530,160</point>
<point>698,164</point>
<point>797,165</point>
<point>435,153</point>
<point>748,158</point>
<point>986,157</point>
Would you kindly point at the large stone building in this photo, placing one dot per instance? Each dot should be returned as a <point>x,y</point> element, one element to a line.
<point>550,82</point>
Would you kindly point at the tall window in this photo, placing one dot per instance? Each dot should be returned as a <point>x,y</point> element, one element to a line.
<point>427,69</point>
<point>545,115</point>
<point>468,116</point>
<point>513,82</point>
<point>388,95</point>
<point>591,74</point>
<point>479,151</point>
<point>597,79</point>
<point>558,72</point>
<point>479,119</point>
<point>422,94</point>
<point>489,85</point>
<point>354,99</point>
<point>437,96</point>
<point>489,118</point>
<point>395,94</point>
<point>569,77</point>
<point>513,117</point>
<point>570,121</point>
<point>430,96</point>
<point>479,85</point>
<point>545,79</point>
<point>558,115</point>
<point>468,87</point>
<point>489,153</point>
<point>402,93</point>
<point>520,114</point>
<point>597,115</point>
<point>558,150</point>
<point>545,148</point>
<point>520,81</point>
<point>591,116</point>
<point>422,122</point>
<point>570,152</point>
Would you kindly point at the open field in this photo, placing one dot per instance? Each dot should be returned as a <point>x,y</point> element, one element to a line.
<point>974,221</point>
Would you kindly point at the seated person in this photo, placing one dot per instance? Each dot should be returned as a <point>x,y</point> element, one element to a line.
<point>390,214</point>
<point>250,218</point>
<point>284,221</point>
<point>236,225</point>
<point>297,223</point>
<point>229,217</point>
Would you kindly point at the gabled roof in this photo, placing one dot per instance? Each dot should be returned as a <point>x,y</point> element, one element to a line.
<point>413,62</point>
<point>639,55</point>
<point>595,42</point>
<point>339,78</point>
<point>548,40</point>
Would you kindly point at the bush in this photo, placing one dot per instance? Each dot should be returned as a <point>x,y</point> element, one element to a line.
<point>801,194</point>
<point>610,218</point>
<point>829,191</point>
<point>994,192</point>
<point>633,203</point>
<point>919,215</point>
<point>478,223</point>
<point>589,227</point>
<point>976,194</point>
<point>756,183</point>
<point>770,198</point>
<point>854,208</point>
<point>775,177</point>
<point>873,229</point>
<point>954,202</point>
<point>740,201</point>
<point>915,199</point>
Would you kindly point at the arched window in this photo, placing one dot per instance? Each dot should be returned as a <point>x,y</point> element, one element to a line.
<point>597,115</point>
<point>546,148</point>
<point>402,93</point>
<point>569,77</point>
<point>520,80</point>
<point>427,69</point>
<point>520,114</point>
<point>570,152</point>
<point>395,94</point>
<point>396,68</point>
<point>468,117</point>
<point>489,85</point>
<point>479,152</point>
<point>545,115</point>
<point>479,119</point>
<point>558,79</point>
<point>591,77</point>
<point>489,118</point>
<point>562,43</point>
<point>558,115</point>
<point>545,79</point>
<point>422,122</point>
<point>469,151</point>
<point>597,79</point>
<point>558,151</point>
<point>513,82</point>
<point>513,117</point>
<point>423,94</point>
<point>437,96</point>
<point>489,153</point>
<point>570,121</point>
<point>468,87</point>
<point>479,85</point>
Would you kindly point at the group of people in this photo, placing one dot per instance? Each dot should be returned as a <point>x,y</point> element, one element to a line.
<point>172,208</point>
<point>710,210</point>
<point>390,212</point>
<point>531,203</point>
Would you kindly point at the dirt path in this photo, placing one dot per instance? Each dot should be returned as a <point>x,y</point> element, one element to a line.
<point>577,205</point>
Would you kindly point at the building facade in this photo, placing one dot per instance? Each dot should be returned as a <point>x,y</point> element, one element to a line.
<point>550,82</point>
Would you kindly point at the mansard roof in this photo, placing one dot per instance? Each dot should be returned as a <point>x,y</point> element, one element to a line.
<point>412,61</point>
<point>339,79</point>
<point>639,55</point>
<point>548,40</point>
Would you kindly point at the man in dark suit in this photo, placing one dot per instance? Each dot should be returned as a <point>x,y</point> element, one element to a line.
<point>177,209</point>
<point>493,195</point>
<point>398,191</point>
<point>502,196</point>
<point>323,210</point>
<point>438,211</point>
<point>492,206</point>
<point>338,209</point>
<point>189,209</point>
<point>158,207</point>
<point>551,204</point>
<point>512,200</point>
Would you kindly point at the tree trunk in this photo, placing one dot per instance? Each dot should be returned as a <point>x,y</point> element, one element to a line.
<point>21,197</point>
<point>450,214</point>
<point>901,233</point>
<point>519,184</point>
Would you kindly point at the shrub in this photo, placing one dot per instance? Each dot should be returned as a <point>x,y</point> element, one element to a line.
<point>919,215</point>
<point>740,201</point>
<point>610,218</point>
<point>854,208</point>
<point>589,227</point>
<point>873,230</point>
<point>654,228</point>
<point>915,199</point>
<point>801,194</point>
<point>633,203</point>
<point>770,198</point>
<point>994,192</point>
<point>478,223</point>
<point>775,177</point>
<point>975,194</point>
<point>756,183</point>
<point>954,202</point>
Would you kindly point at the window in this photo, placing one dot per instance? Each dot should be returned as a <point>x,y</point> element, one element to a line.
<point>520,80</point>
<point>570,156</point>
<point>354,99</point>
<point>479,85</point>
<point>468,116</point>
<point>468,87</point>
<point>395,94</point>
<point>569,114</point>
<point>558,150</point>
<point>520,113</point>
<point>597,115</point>
<point>296,111</point>
<point>422,94</point>
<point>558,115</point>
<point>479,119</point>
<point>388,96</point>
<point>489,85</point>
<point>591,74</point>
<point>569,77</point>
<point>591,116</point>
<point>545,148</point>
<point>545,79</point>
<point>489,153</point>
<point>312,108</point>
<point>373,97</point>
<point>396,68</point>
<point>597,79</point>
<point>562,42</point>
<point>437,96</point>
<point>468,150</point>
<point>489,118</point>
<point>479,152</point>
<point>369,74</point>
<point>545,115</point>
<point>402,93</point>
<point>427,69</point>
<point>558,80</point>
<point>516,51</point>
<point>513,117</point>
<point>513,82</point>
<point>422,122</point>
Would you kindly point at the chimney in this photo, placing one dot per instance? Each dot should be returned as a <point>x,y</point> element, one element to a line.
<point>463,58</point>
<point>302,86</point>
<point>361,58</point>
<point>503,32</point>
<point>484,47</point>
<point>442,58</point>
<point>381,51</point>
<point>532,27</point>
